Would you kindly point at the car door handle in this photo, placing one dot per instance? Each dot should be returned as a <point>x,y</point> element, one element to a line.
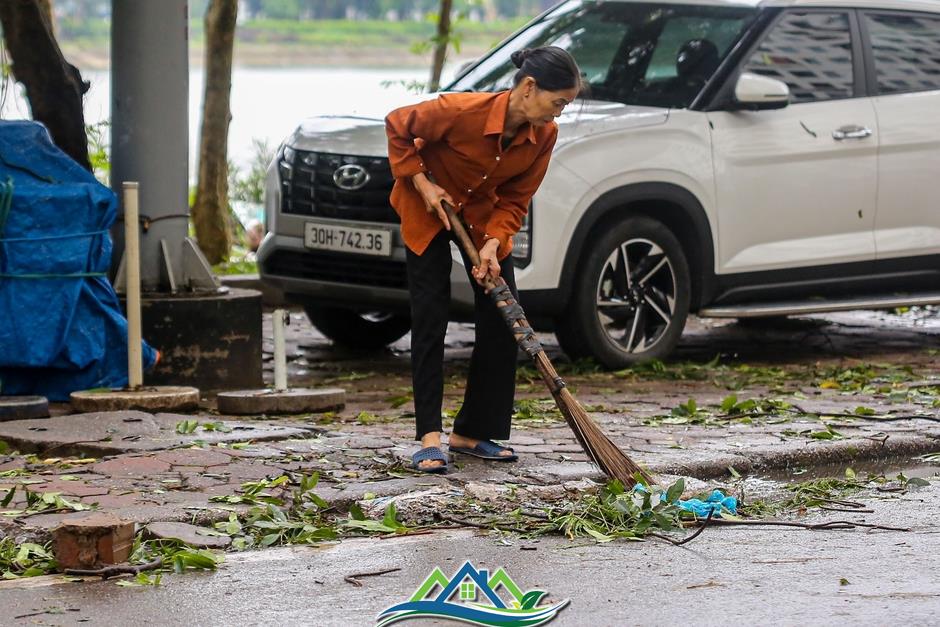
<point>851,132</point>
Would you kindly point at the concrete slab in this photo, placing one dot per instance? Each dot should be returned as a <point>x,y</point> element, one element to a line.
<point>295,401</point>
<point>23,407</point>
<point>160,398</point>
<point>104,433</point>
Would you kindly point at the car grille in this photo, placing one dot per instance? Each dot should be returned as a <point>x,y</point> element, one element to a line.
<point>338,268</point>
<point>313,192</point>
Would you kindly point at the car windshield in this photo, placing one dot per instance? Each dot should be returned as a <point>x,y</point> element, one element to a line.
<point>639,53</point>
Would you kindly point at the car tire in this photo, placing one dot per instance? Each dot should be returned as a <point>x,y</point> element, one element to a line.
<point>357,329</point>
<point>620,321</point>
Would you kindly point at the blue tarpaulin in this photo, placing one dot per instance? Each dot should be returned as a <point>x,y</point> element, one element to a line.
<point>61,325</point>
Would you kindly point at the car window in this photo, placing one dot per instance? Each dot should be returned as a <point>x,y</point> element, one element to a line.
<point>906,50</point>
<point>646,53</point>
<point>810,52</point>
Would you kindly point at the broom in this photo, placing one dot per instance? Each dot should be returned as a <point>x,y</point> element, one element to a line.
<point>604,453</point>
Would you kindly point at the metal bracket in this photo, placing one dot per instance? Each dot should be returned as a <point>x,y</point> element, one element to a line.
<point>197,273</point>
<point>167,267</point>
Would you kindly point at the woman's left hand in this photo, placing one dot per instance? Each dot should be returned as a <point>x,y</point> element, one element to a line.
<point>489,262</point>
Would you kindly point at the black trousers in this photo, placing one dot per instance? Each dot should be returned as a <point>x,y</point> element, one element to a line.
<point>491,384</point>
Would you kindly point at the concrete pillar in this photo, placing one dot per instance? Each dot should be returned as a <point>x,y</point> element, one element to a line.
<point>208,337</point>
<point>150,126</point>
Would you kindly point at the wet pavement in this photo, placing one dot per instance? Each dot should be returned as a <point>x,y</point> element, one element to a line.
<point>833,390</point>
<point>725,576</point>
<point>777,398</point>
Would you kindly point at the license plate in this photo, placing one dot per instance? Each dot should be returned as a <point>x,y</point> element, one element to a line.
<point>348,239</point>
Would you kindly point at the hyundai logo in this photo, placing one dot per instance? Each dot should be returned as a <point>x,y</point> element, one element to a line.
<point>351,177</point>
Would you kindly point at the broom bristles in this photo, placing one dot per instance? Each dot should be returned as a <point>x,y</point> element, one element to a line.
<point>605,454</point>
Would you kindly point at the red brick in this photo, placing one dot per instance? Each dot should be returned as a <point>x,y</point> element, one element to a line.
<point>92,541</point>
<point>194,457</point>
<point>132,467</point>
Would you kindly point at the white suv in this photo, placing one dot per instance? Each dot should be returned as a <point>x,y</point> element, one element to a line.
<point>733,158</point>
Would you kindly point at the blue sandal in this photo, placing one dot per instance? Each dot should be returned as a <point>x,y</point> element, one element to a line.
<point>487,449</point>
<point>430,453</point>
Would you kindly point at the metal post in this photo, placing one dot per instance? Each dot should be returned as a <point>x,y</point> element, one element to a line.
<point>135,367</point>
<point>150,126</point>
<point>280,355</point>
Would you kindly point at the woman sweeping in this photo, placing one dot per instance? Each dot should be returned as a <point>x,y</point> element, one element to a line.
<point>485,154</point>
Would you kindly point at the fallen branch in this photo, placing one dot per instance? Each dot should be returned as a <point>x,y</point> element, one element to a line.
<point>828,525</point>
<point>687,538</point>
<point>354,579</point>
<point>117,569</point>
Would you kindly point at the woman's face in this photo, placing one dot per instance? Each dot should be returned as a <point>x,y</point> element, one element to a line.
<point>541,106</point>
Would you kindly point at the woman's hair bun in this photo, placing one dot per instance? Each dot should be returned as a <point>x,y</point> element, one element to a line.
<point>519,56</point>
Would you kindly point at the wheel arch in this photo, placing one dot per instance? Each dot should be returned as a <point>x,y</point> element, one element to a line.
<point>674,206</point>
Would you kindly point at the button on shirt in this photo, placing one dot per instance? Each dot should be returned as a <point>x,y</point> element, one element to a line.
<point>456,140</point>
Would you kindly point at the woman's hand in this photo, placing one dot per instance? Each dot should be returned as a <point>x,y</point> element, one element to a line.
<point>489,263</point>
<point>433,194</point>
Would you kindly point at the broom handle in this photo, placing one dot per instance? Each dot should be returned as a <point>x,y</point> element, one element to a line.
<point>514,316</point>
<point>512,311</point>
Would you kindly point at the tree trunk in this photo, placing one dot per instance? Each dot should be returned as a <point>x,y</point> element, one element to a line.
<point>441,41</point>
<point>54,88</point>
<point>210,210</point>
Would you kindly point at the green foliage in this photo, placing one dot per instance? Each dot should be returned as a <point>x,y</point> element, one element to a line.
<point>40,502</point>
<point>828,491</point>
<point>98,150</point>
<point>536,410</point>
<point>614,512</point>
<point>25,560</point>
<point>248,185</point>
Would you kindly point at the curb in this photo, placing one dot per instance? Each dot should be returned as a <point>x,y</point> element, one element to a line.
<point>891,448</point>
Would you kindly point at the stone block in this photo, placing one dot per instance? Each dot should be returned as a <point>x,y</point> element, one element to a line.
<point>93,541</point>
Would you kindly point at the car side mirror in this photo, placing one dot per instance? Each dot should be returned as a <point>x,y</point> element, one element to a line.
<point>756,92</point>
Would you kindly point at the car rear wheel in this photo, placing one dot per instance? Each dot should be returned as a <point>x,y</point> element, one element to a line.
<point>632,297</point>
<point>358,329</point>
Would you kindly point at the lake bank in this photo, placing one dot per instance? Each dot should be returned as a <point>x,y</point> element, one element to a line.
<point>277,56</point>
<point>324,44</point>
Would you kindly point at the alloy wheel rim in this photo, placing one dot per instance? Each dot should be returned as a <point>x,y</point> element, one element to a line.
<point>376,317</point>
<point>635,298</point>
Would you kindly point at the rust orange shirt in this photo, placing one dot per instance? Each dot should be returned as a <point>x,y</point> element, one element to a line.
<point>455,138</point>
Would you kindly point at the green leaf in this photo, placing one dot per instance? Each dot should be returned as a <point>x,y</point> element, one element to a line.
<point>918,482</point>
<point>863,411</point>
<point>597,535</point>
<point>734,473</point>
<point>729,403</point>
<point>356,512</point>
<point>373,526</point>
<point>849,473</point>
<point>8,498</point>
<point>391,517</point>
<point>675,491</point>
<point>185,427</point>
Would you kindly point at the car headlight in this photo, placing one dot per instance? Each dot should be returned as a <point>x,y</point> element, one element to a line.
<point>522,242</point>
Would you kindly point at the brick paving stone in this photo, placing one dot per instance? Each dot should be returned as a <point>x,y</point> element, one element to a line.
<point>250,472</point>
<point>113,501</point>
<point>525,440</point>
<point>14,464</point>
<point>567,448</point>
<point>194,457</point>
<point>543,448</point>
<point>132,466</point>
<point>70,488</point>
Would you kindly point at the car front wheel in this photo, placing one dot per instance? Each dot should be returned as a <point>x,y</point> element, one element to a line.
<point>632,296</point>
<point>357,329</point>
